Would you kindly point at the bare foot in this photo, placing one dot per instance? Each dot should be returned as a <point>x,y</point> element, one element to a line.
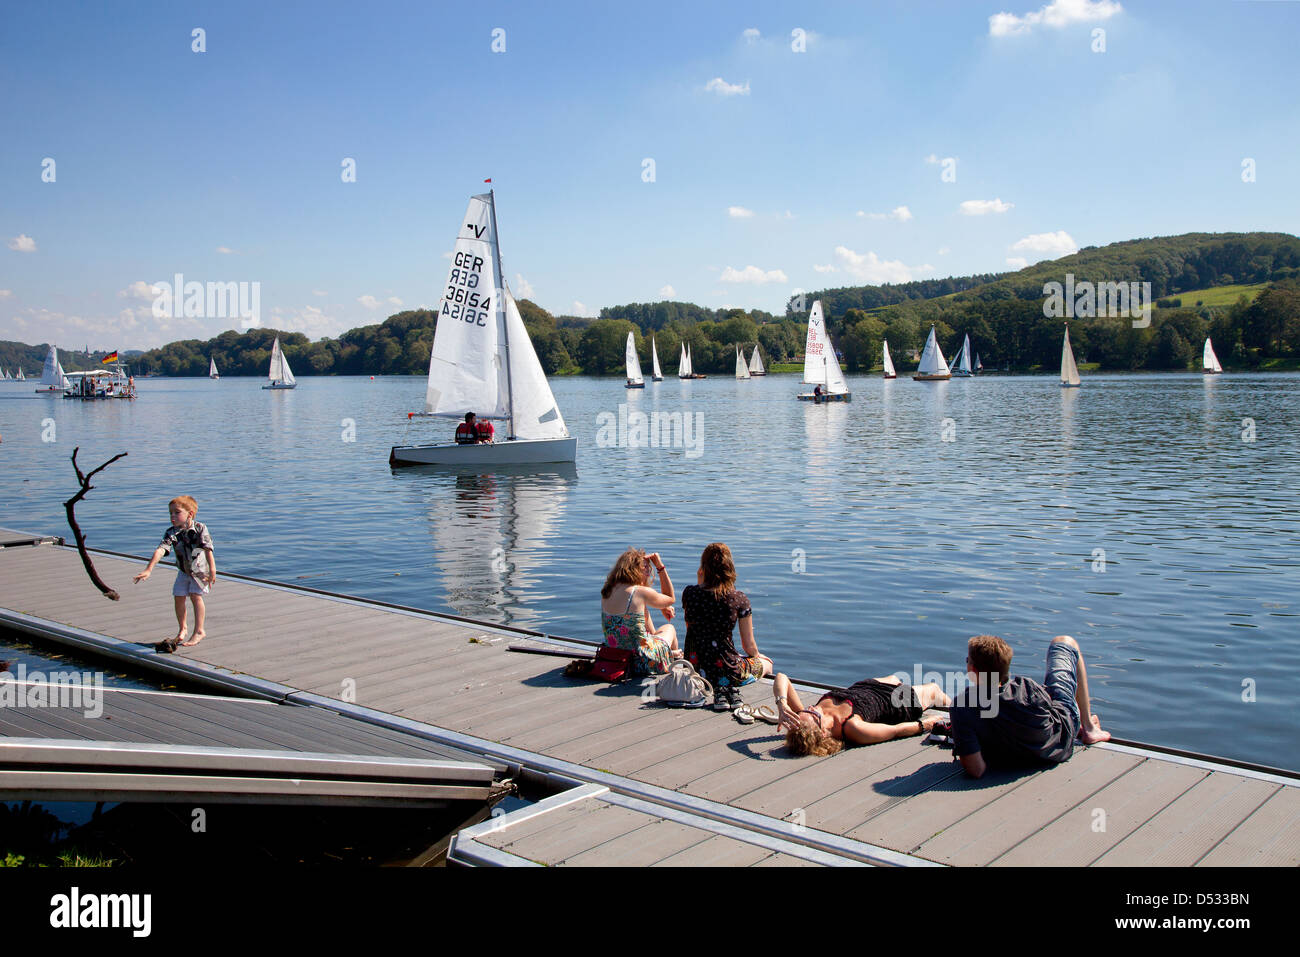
<point>1092,733</point>
<point>200,635</point>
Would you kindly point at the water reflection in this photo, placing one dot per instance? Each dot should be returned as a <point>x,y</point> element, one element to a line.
<point>492,534</point>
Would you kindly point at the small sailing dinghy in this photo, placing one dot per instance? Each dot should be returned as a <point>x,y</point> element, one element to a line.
<point>889,363</point>
<point>820,367</point>
<point>634,378</point>
<point>1210,362</point>
<point>979,366</point>
<point>1069,371</point>
<point>20,377</point>
<point>961,367</point>
<point>933,367</point>
<point>280,374</point>
<point>656,375</point>
<point>212,369</point>
<point>756,364</point>
<point>742,367</point>
<point>483,362</point>
<point>684,365</point>
<point>53,378</point>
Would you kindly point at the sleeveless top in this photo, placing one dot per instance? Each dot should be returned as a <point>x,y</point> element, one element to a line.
<point>650,655</point>
<point>874,702</point>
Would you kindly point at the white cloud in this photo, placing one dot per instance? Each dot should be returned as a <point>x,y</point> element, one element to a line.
<point>826,268</point>
<point>871,268</point>
<point>1017,262</point>
<point>523,287</point>
<point>225,250</point>
<point>752,274</point>
<point>138,290</point>
<point>6,293</point>
<point>370,302</point>
<point>934,160</point>
<point>319,292</point>
<point>308,320</point>
<point>1058,13</point>
<point>581,310</point>
<point>788,215</point>
<point>667,292</point>
<point>1057,244</point>
<point>394,301</point>
<point>751,34</point>
<point>723,88</point>
<point>981,207</point>
<point>944,250</point>
<point>25,244</point>
<point>900,213</point>
<point>739,212</point>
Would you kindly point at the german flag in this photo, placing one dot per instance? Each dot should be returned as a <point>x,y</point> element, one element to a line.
<point>111,357</point>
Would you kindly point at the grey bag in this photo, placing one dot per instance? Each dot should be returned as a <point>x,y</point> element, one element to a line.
<point>683,686</point>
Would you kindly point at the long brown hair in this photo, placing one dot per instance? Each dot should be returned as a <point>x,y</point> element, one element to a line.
<point>719,569</point>
<point>629,569</point>
<point>809,738</point>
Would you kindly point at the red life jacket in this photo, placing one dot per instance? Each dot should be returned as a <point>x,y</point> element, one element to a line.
<point>466,434</point>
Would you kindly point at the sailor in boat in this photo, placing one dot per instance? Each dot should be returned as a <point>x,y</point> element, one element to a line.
<point>473,432</point>
<point>869,712</point>
<point>817,393</point>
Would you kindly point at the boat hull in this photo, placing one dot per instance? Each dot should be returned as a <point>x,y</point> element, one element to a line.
<point>517,452</point>
<point>890,377</point>
<point>931,378</point>
<point>280,385</point>
<point>1071,385</point>
<point>635,385</point>
<point>828,397</point>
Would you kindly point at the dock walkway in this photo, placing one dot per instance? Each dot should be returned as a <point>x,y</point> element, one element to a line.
<point>689,776</point>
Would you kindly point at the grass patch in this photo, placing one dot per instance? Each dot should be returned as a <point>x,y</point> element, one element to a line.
<point>785,367</point>
<point>1218,295</point>
<point>1279,364</point>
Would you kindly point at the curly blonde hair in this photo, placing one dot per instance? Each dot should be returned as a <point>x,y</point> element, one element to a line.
<point>629,569</point>
<point>808,738</point>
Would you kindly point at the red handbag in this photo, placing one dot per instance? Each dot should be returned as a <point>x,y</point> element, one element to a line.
<point>611,664</point>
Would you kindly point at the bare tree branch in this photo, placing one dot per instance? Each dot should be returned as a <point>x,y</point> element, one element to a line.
<point>70,504</point>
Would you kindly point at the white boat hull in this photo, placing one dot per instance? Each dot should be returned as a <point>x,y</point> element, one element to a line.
<point>518,452</point>
<point>281,385</point>
<point>826,397</point>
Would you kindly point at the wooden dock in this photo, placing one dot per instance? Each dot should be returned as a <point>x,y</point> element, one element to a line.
<point>663,786</point>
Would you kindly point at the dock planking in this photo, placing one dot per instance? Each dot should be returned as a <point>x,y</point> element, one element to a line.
<point>901,796</point>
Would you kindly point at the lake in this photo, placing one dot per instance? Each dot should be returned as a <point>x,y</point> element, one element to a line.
<point>1152,517</point>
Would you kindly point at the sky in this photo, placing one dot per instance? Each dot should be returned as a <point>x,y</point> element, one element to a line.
<point>728,154</point>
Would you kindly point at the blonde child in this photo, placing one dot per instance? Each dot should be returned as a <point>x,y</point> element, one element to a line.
<point>197,568</point>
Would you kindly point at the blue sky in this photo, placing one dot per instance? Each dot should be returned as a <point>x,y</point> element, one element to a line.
<point>775,168</point>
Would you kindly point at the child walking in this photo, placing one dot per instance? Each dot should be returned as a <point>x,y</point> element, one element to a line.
<point>197,568</point>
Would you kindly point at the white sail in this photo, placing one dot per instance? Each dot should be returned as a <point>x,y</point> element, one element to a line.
<point>683,364</point>
<point>212,368</point>
<point>466,371</point>
<point>742,368</point>
<point>280,371</point>
<point>1210,362</point>
<point>654,360</point>
<point>815,346</point>
<point>932,360</point>
<point>756,363</point>
<point>963,363</point>
<point>20,374</point>
<point>889,363</point>
<point>536,414</point>
<point>1069,371</point>
<point>979,366</point>
<point>52,373</point>
<point>835,384</point>
<point>633,363</point>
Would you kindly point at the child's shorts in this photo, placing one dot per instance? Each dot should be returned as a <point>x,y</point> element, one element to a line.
<point>186,585</point>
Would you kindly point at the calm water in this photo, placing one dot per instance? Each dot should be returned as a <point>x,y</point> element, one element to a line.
<point>871,538</point>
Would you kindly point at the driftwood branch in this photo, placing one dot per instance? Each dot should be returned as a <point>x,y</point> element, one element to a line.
<point>69,506</point>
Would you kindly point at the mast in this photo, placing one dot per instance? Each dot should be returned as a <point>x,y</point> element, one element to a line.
<point>501,312</point>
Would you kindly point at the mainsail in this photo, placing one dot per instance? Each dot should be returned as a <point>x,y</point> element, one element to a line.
<point>1069,371</point>
<point>932,360</point>
<point>889,363</point>
<point>814,347</point>
<point>1210,362</point>
<point>633,363</point>
<point>742,370</point>
<point>280,371</point>
<point>52,375</point>
<point>212,368</point>
<point>756,364</point>
<point>654,360</point>
<point>684,364</point>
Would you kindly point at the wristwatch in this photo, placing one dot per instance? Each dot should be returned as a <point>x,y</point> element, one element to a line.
<point>922,724</point>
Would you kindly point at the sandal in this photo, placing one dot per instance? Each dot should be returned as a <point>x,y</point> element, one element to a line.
<point>744,714</point>
<point>764,713</point>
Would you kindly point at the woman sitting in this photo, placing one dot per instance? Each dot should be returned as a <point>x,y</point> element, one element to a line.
<point>712,609</point>
<point>871,711</point>
<point>625,604</point>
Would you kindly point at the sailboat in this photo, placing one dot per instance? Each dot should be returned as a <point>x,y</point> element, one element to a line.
<point>756,364</point>
<point>53,378</point>
<point>961,367</point>
<point>20,377</point>
<point>889,363</point>
<point>483,361</point>
<point>820,367</point>
<point>979,366</point>
<point>280,374</point>
<point>634,378</point>
<point>933,366</point>
<point>1069,371</point>
<point>212,368</point>
<point>684,365</point>
<point>1210,362</point>
<point>656,375</point>
<point>742,367</point>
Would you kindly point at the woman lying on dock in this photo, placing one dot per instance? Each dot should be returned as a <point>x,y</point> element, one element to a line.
<point>625,604</point>
<point>871,711</point>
